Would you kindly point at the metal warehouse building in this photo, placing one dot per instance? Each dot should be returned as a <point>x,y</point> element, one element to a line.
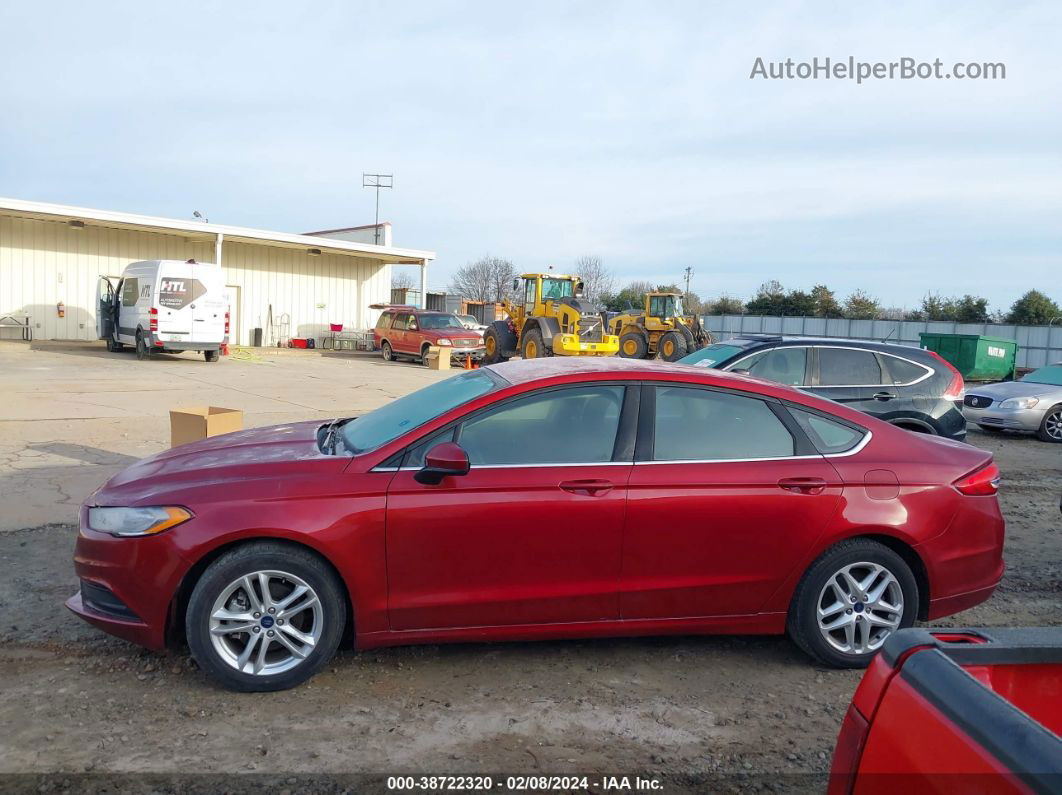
<point>52,257</point>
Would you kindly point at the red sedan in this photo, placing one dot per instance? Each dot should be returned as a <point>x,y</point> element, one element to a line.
<point>547,499</point>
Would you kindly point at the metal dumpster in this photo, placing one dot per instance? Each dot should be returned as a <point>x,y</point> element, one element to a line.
<point>978,358</point>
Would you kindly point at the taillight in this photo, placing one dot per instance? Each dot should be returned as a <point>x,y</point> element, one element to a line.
<point>153,318</point>
<point>956,387</point>
<point>983,482</point>
<point>846,754</point>
<point>226,323</point>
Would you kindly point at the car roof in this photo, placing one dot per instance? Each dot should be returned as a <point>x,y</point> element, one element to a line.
<point>522,372</point>
<point>841,342</point>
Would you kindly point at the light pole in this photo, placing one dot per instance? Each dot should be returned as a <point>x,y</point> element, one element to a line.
<point>200,216</point>
<point>377,181</point>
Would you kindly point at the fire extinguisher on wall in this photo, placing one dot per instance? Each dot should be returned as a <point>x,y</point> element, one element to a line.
<point>61,309</point>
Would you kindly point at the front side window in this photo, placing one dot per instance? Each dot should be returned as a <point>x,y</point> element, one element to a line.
<point>411,323</point>
<point>827,435</point>
<point>848,367</point>
<point>695,424</point>
<point>663,306</point>
<point>552,289</point>
<point>781,365</point>
<point>575,425</point>
<point>391,421</point>
<point>130,292</point>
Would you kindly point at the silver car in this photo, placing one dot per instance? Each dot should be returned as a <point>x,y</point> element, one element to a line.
<point>1032,404</point>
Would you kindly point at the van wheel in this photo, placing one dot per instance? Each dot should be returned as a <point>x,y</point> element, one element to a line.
<point>142,351</point>
<point>114,347</point>
<point>265,616</point>
<point>386,352</point>
<point>212,356</point>
<point>850,600</point>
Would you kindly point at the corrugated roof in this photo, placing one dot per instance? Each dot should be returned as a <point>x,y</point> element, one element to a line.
<point>31,209</point>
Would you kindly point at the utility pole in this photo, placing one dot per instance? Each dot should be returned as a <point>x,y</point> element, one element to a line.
<point>689,273</point>
<point>377,181</point>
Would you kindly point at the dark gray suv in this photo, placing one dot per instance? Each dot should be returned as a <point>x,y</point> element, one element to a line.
<point>910,387</point>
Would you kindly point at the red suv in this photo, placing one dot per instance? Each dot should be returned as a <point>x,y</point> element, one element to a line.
<point>408,331</point>
<point>564,497</point>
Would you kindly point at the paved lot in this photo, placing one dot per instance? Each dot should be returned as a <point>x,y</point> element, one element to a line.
<point>75,700</point>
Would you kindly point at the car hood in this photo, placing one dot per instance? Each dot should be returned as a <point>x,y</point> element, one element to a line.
<point>243,455</point>
<point>1009,389</point>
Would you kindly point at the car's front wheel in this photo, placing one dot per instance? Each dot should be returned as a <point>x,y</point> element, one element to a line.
<point>1051,425</point>
<point>265,616</point>
<point>850,600</point>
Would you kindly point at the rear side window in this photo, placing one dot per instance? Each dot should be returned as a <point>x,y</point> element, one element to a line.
<point>564,426</point>
<point>385,321</point>
<point>781,365</point>
<point>848,367</point>
<point>902,371</point>
<point>401,321</point>
<point>703,425</point>
<point>130,292</point>
<point>827,436</point>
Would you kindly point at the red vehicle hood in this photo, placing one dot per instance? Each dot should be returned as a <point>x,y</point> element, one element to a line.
<point>241,456</point>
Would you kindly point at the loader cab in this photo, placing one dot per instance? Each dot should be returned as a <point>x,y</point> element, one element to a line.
<point>662,307</point>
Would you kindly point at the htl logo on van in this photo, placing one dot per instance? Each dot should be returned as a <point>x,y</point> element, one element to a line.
<point>178,293</point>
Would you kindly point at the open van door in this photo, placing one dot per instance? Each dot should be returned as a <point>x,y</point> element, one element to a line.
<point>105,310</point>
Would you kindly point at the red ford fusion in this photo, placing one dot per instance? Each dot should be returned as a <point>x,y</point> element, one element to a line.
<point>553,498</point>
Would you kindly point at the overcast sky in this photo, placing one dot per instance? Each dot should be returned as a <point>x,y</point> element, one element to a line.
<point>543,131</point>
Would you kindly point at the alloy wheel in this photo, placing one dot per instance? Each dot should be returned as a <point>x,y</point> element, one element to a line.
<point>1053,424</point>
<point>859,607</point>
<point>266,622</point>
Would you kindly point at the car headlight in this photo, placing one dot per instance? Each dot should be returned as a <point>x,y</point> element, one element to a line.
<point>443,341</point>
<point>1019,403</point>
<point>136,521</point>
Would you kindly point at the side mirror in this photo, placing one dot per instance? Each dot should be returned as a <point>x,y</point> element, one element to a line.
<point>740,371</point>
<point>446,458</point>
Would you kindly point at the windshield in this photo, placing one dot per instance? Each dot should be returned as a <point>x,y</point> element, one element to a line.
<point>387,423</point>
<point>440,321</point>
<point>1052,375</point>
<point>557,288</point>
<point>468,320</point>
<point>712,355</point>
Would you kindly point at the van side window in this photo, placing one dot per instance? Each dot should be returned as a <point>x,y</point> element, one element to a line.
<point>385,321</point>
<point>130,292</point>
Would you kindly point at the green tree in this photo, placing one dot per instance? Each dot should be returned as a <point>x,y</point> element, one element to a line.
<point>769,299</point>
<point>797,303</point>
<point>630,297</point>
<point>725,305</point>
<point>967,309</point>
<point>860,306</point>
<point>826,304</point>
<point>1033,309</point>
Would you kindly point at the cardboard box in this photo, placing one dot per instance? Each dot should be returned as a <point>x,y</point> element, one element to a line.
<point>438,358</point>
<point>200,422</point>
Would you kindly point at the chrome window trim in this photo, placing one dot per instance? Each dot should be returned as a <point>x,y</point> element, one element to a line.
<point>863,443</point>
<point>930,372</point>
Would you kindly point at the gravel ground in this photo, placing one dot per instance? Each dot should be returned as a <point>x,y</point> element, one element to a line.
<point>81,709</point>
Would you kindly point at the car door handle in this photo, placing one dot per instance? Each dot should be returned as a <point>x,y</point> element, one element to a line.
<point>803,485</point>
<point>588,488</point>
<point>884,395</point>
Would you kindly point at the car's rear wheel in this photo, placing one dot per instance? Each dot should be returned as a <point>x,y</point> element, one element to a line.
<point>386,352</point>
<point>212,356</point>
<point>265,616</point>
<point>1051,425</point>
<point>424,354</point>
<point>850,600</point>
<point>142,351</point>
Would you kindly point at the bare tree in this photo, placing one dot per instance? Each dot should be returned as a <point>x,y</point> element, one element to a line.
<point>486,279</point>
<point>597,279</point>
<point>402,280</point>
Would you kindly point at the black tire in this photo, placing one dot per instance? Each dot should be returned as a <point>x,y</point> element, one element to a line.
<point>633,345</point>
<point>532,341</point>
<point>672,346</point>
<point>142,350</point>
<point>802,623</point>
<point>386,351</point>
<point>498,343</point>
<point>212,356</point>
<point>1050,429</point>
<point>245,560</point>
<point>990,428</point>
<point>424,353</point>
<point>691,343</point>
<point>112,346</point>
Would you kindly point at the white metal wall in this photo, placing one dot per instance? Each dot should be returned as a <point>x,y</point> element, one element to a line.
<point>45,262</point>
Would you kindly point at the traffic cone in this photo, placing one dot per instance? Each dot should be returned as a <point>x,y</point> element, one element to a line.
<point>468,362</point>
<point>224,349</point>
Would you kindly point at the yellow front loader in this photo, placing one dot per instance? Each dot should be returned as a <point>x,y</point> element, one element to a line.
<point>660,329</point>
<point>548,316</point>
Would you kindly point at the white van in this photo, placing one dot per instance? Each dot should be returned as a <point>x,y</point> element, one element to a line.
<point>164,306</point>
